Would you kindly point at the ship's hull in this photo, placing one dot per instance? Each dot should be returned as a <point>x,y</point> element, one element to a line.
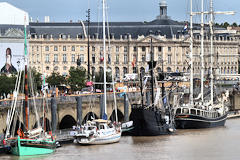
<point>196,122</point>
<point>26,147</point>
<point>148,122</point>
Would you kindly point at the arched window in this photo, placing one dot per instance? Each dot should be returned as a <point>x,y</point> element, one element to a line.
<point>169,69</point>
<point>125,71</point>
<point>142,70</point>
<point>117,75</point>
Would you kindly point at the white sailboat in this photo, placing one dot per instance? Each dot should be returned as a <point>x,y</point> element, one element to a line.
<point>202,114</point>
<point>100,131</point>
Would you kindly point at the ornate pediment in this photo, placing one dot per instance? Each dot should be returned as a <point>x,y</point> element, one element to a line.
<point>147,39</point>
<point>14,33</point>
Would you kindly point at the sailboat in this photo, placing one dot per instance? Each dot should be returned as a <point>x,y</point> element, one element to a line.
<point>155,118</point>
<point>27,141</point>
<point>100,131</point>
<point>202,113</point>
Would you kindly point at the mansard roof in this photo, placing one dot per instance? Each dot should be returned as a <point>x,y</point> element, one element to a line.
<point>164,27</point>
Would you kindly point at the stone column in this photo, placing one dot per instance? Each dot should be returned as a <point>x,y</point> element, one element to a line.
<point>79,110</point>
<point>126,108</point>
<point>54,114</point>
<point>148,98</point>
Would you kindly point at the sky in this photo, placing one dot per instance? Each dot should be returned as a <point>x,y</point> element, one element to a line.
<point>120,10</point>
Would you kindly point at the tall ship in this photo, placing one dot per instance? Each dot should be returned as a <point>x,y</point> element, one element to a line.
<point>21,139</point>
<point>204,111</point>
<point>152,117</point>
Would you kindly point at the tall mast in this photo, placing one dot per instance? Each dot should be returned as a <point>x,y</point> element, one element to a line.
<point>211,48</point>
<point>88,16</point>
<point>202,49</point>
<point>152,60</point>
<point>191,53</point>
<point>104,61</point>
<point>26,76</point>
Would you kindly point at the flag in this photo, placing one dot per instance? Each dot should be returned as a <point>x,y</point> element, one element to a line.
<point>185,27</point>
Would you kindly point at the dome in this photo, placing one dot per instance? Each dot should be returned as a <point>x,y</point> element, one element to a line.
<point>163,3</point>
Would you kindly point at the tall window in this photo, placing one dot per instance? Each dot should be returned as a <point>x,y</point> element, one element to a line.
<point>64,48</point>
<point>46,48</point>
<point>169,59</point>
<point>37,48</point>
<point>81,58</point>
<point>64,58</point>
<point>55,58</point>
<point>47,58</point>
<point>169,49</point>
<point>124,70</point>
<point>117,48</point>
<point>93,59</point>
<point>73,48</point>
<point>81,48</point>
<point>38,58</point>
<point>117,72</point>
<point>159,49</point>
<point>55,48</point>
<point>125,48</point>
<point>143,58</point>
<point>117,58</point>
<point>125,60</point>
<point>101,48</point>
<point>93,49</point>
<point>73,58</point>
<point>135,49</point>
<point>143,48</point>
<point>109,58</point>
<point>159,57</point>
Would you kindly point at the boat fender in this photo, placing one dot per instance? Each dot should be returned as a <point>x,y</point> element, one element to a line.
<point>4,142</point>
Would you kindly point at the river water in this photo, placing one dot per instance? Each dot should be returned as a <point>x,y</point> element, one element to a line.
<point>206,144</point>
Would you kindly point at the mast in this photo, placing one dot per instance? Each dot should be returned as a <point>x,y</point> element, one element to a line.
<point>104,61</point>
<point>88,16</point>
<point>191,54</point>
<point>211,48</point>
<point>151,51</point>
<point>202,49</point>
<point>26,76</point>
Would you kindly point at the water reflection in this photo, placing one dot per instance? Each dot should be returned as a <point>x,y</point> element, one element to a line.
<point>206,144</point>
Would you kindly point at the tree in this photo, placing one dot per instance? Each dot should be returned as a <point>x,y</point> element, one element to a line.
<point>77,78</point>
<point>100,79</point>
<point>55,79</point>
<point>234,24</point>
<point>226,24</point>
<point>36,76</point>
<point>7,84</point>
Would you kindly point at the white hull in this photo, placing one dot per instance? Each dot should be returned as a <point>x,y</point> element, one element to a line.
<point>100,139</point>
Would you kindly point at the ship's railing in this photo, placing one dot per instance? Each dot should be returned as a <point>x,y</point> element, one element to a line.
<point>198,112</point>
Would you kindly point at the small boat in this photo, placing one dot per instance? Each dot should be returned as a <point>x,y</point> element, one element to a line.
<point>98,131</point>
<point>101,131</point>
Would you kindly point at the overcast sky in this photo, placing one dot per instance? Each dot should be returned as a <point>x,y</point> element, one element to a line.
<point>119,10</point>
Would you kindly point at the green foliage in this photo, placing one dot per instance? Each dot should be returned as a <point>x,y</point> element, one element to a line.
<point>7,84</point>
<point>99,79</point>
<point>226,24</point>
<point>36,76</point>
<point>55,79</point>
<point>77,78</point>
<point>234,24</point>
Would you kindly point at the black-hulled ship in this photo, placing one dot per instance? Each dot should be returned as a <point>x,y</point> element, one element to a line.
<point>155,118</point>
<point>204,111</point>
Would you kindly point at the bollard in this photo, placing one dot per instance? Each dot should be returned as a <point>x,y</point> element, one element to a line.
<point>54,114</point>
<point>79,110</point>
<point>126,108</point>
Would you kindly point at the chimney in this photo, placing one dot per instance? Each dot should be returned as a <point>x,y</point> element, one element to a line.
<point>46,19</point>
